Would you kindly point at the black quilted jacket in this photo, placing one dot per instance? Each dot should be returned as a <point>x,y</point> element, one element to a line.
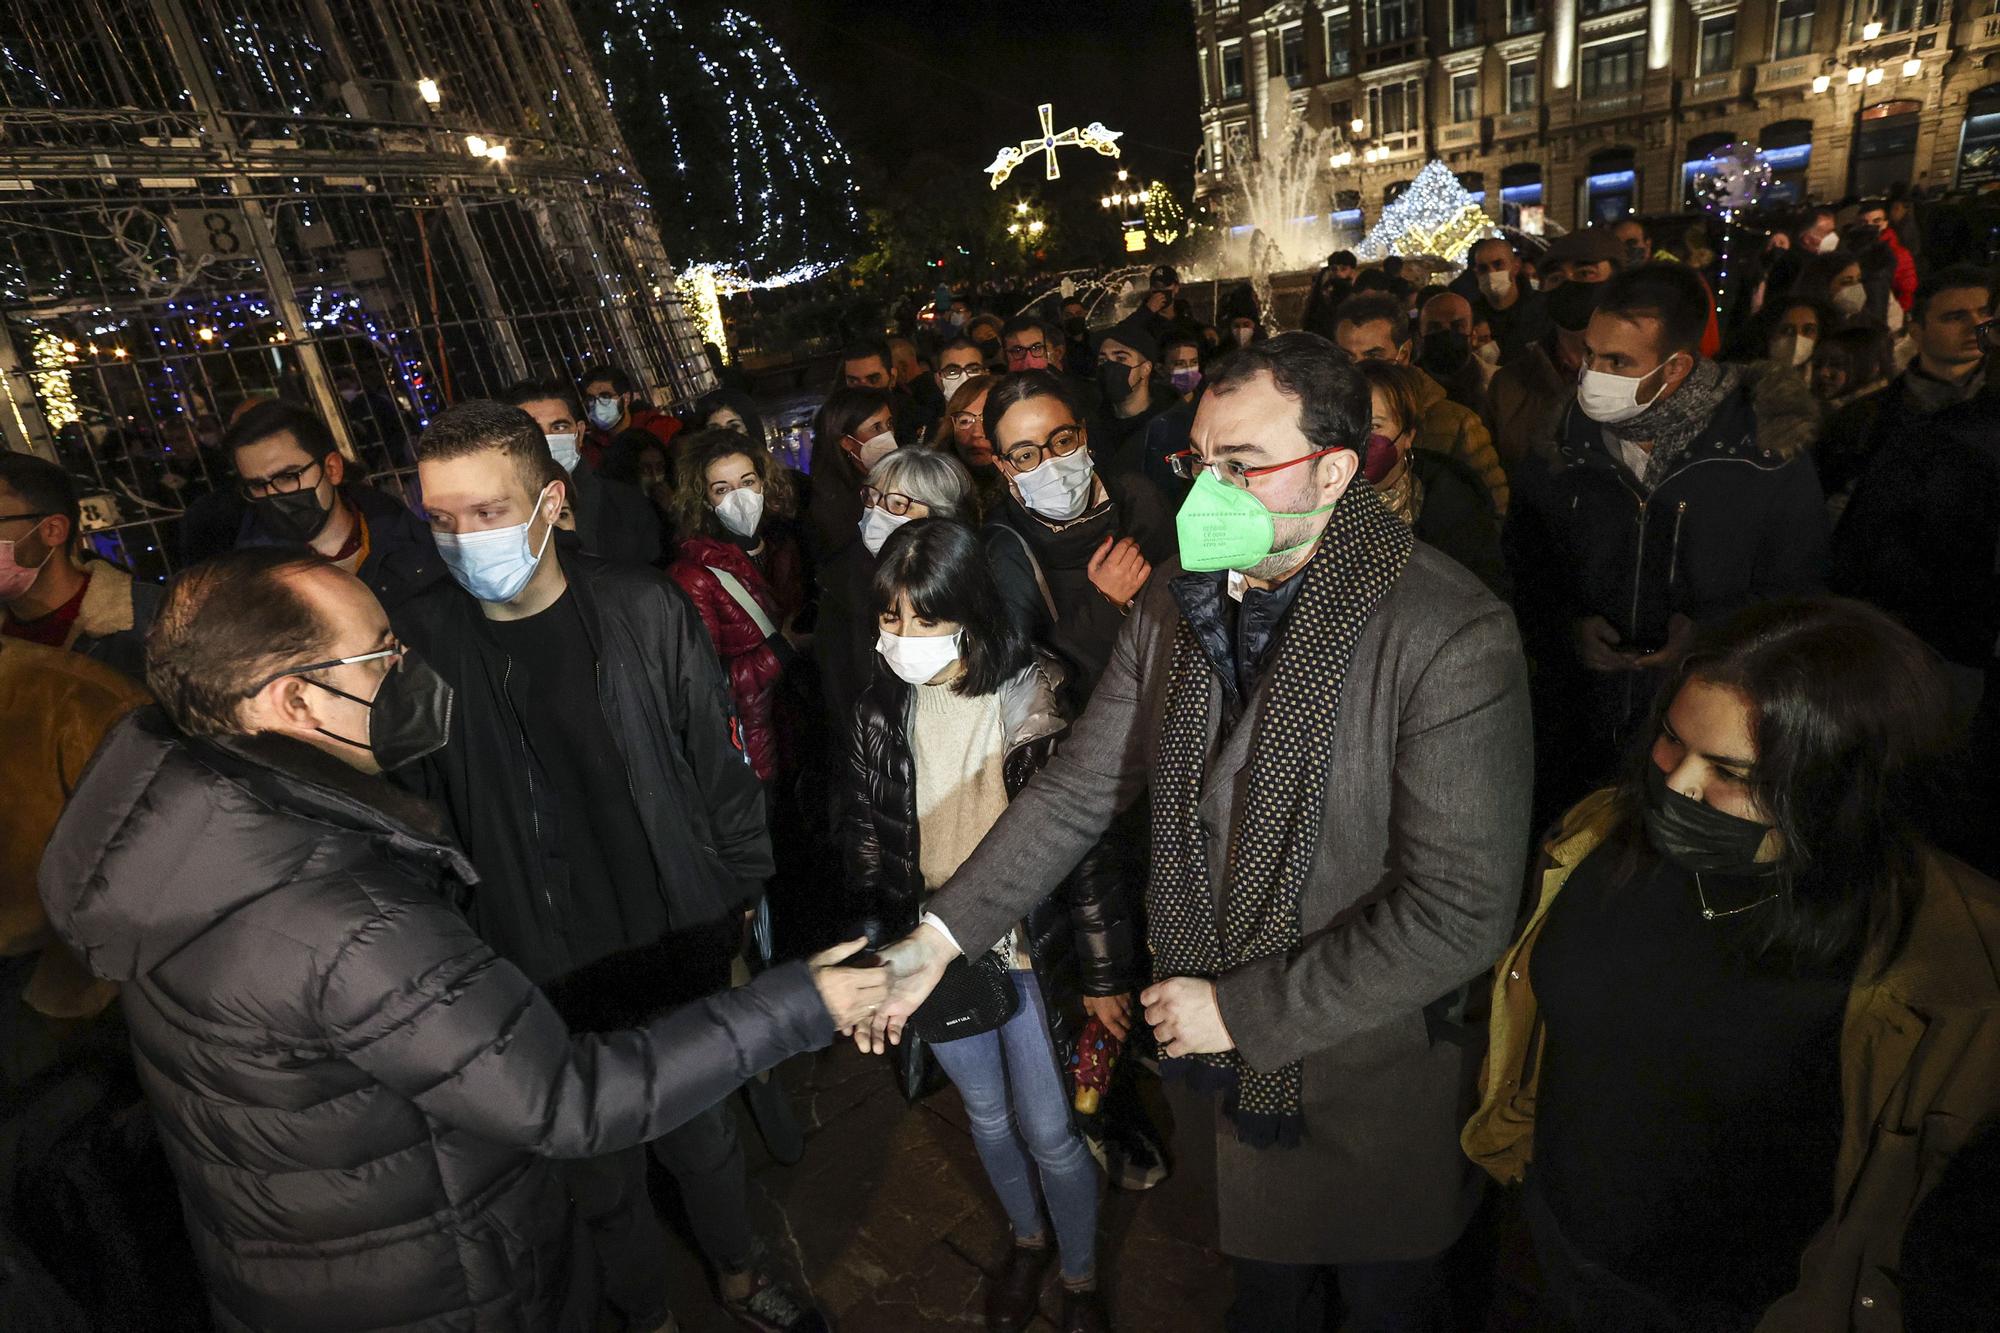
<point>1084,937</point>
<point>355,1094</point>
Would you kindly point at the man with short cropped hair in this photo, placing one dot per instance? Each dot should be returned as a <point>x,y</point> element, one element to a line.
<point>596,776</point>
<point>610,518</point>
<point>53,591</point>
<point>296,483</point>
<point>1516,312</point>
<point>869,363</point>
<point>1375,326</point>
<point>958,361</point>
<point>612,405</point>
<point>1684,491</point>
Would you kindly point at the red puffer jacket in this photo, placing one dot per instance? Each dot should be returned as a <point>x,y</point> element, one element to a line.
<point>753,665</point>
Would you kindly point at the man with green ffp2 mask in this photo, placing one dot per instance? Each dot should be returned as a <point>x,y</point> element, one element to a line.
<point>1331,721</point>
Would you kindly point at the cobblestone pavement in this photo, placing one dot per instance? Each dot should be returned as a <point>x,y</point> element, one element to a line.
<point>889,1220</point>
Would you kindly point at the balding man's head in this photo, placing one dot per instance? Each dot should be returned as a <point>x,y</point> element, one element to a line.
<point>1446,310</point>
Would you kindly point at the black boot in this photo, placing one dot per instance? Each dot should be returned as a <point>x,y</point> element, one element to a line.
<point>1083,1311</point>
<point>1016,1295</point>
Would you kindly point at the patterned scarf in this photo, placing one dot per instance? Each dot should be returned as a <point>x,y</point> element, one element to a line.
<point>1671,423</point>
<point>1277,828</point>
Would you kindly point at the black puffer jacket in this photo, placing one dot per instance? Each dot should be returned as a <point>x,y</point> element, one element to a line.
<point>1083,937</point>
<point>355,1094</point>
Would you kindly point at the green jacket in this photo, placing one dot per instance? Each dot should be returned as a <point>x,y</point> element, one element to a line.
<point>1919,1072</point>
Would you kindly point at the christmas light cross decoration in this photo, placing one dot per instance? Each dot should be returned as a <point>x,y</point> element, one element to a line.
<point>1093,135</point>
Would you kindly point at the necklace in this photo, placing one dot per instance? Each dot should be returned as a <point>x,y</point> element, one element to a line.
<point>1709,913</point>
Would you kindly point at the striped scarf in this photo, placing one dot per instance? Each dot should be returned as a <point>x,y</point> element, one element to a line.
<point>1276,830</point>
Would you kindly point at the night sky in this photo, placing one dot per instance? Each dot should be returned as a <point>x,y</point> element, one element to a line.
<point>899,78</point>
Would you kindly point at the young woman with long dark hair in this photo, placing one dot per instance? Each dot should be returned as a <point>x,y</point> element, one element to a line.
<point>1754,1012</point>
<point>961,715</point>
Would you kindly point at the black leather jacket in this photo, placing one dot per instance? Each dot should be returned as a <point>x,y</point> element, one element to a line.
<point>1084,936</point>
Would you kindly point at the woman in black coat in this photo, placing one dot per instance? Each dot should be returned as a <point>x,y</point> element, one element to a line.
<point>958,719</point>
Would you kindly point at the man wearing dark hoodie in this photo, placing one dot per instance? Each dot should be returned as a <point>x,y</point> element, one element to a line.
<point>1130,394</point>
<point>1681,492</point>
<point>354,1092</point>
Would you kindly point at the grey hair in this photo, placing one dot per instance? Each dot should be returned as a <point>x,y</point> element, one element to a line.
<point>936,478</point>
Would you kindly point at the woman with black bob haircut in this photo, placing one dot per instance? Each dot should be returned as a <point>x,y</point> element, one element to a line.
<point>962,713</point>
<point>1755,1012</point>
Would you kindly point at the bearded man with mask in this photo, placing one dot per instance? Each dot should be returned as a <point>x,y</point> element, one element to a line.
<point>295,479</point>
<point>1331,722</point>
<point>356,1096</point>
<point>596,776</point>
<point>1681,490</point>
<point>1072,545</point>
<point>1130,394</point>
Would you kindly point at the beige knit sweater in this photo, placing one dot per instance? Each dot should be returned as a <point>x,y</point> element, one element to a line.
<point>958,745</point>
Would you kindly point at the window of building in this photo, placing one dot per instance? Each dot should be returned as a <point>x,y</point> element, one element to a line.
<point>1523,84</point>
<point>1612,67</point>
<point>1464,23</point>
<point>1465,96</point>
<point>1339,45</point>
<point>1592,8</point>
<point>1232,70</point>
<point>1396,108</point>
<point>1522,16</point>
<point>1384,22</point>
<point>1795,24</point>
<point>1292,53</point>
<point>1717,44</point>
<point>1894,16</point>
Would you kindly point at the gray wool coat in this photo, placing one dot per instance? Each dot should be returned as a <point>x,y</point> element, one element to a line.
<point>1414,892</point>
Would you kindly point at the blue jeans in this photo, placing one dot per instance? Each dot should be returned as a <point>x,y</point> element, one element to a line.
<point>1013,1093</point>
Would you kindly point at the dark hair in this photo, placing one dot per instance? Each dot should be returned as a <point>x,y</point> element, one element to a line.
<point>1341,259</point>
<point>1402,385</point>
<point>1852,721</point>
<point>479,424</point>
<point>1955,277</point>
<point>523,392</point>
<point>861,349</point>
<point>689,460</point>
<point>1865,351</point>
<point>1370,280</point>
<point>1822,313</point>
<point>1019,388</point>
<point>278,417</point>
<point>1032,324</point>
<point>842,414</point>
<point>44,487</point>
<point>1816,275</point>
<point>959,344</point>
<point>940,566</point>
<point>226,626</point>
<point>736,401</point>
<point>1393,265</point>
<point>1661,290</point>
<point>1869,205</point>
<point>1178,339</point>
<point>1368,307</point>
<point>1332,397</point>
<point>620,382</point>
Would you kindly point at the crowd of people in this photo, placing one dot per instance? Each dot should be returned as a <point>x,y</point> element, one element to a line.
<point>1179,738</point>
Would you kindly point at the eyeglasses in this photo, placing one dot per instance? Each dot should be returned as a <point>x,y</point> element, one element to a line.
<point>395,649</point>
<point>966,421</point>
<point>1989,334</point>
<point>1030,352</point>
<point>278,483</point>
<point>9,518</point>
<point>1187,465</point>
<point>1062,442</point>
<point>891,502</point>
<point>954,375</point>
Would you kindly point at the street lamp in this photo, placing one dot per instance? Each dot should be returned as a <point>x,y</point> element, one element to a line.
<point>428,90</point>
<point>1874,76</point>
<point>1912,67</point>
<point>1356,125</point>
<point>1855,76</point>
<point>1871,30</point>
<point>1822,83</point>
<point>475,145</point>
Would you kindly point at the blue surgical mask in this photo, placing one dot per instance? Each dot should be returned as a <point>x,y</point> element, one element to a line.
<point>496,564</point>
<point>604,411</point>
<point>562,448</point>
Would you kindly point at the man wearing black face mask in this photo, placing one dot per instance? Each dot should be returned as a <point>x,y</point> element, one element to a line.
<point>295,480</point>
<point>356,1094</point>
<point>1444,349</point>
<point>1128,395</point>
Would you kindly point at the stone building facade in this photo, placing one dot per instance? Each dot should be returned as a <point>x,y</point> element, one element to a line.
<point>1558,111</point>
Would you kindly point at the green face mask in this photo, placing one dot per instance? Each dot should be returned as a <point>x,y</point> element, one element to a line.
<point>1226,527</point>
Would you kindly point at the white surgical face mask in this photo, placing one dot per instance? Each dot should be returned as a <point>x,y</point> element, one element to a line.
<point>494,565</point>
<point>1849,300</point>
<point>918,659</point>
<point>876,448</point>
<point>563,449</point>
<point>1829,243</point>
<point>876,525</point>
<point>1496,285</point>
<point>1489,352</point>
<point>604,411</point>
<point>1058,489</point>
<point>741,510</point>
<point>1794,349</point>
<point>1609,398</point>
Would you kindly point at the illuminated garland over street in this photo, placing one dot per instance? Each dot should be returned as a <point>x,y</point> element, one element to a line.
<point>1093,136</point>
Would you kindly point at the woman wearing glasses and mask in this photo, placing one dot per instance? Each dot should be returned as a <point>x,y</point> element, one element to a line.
<point>962,433</point>
<point>906,485</point>
<point>961,713</point>
<point>1755,1012</point>
<point>1071,546</point>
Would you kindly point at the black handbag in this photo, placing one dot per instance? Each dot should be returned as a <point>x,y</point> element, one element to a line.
<point>970,998</point>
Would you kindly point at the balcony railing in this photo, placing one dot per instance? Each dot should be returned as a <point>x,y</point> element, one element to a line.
<point>1525,121</point>
<point>1527,22</point>
<point>1713,87</point>
<point>1465,36</point>
<point>1339,65</point>
<point>1787,73</point>
<point>1460,134</point>
<point>1593,8</point>
<point>1976,34</point>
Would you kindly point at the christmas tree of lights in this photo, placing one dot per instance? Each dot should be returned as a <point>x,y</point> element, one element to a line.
<point>747,178</point>
<point>1434,217</point>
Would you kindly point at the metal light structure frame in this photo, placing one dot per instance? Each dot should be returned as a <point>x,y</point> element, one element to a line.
<point>221,202</point>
